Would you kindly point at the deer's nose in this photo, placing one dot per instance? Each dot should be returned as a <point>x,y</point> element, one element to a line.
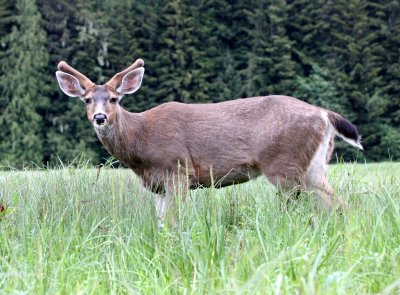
<point>100,118</point>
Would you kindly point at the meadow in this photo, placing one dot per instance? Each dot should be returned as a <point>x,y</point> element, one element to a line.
<point>74,230</point>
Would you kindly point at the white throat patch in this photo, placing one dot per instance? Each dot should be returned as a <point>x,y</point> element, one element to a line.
<point>103,131</point>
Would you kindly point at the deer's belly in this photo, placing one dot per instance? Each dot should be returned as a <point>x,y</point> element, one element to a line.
<point>221,178</point>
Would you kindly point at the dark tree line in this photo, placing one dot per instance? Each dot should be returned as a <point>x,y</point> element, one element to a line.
<point>339,54</point>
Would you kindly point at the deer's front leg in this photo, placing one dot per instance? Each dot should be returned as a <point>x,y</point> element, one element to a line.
<point>176,188</point>
<point>161,208</point>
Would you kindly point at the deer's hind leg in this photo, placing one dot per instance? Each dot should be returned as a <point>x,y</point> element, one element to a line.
<point>289,185</point>
<point>319,185</point>
<point>317,174</point>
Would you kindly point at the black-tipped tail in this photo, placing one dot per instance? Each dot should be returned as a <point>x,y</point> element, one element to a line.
<point>345,129</point>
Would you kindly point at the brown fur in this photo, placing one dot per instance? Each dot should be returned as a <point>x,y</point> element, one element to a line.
<point>237,140</point>
<point>287,140</point>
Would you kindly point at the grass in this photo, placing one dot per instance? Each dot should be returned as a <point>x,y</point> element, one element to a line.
<point>64,232</point>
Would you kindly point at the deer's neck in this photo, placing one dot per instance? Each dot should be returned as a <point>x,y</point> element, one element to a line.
<point>123,138</point>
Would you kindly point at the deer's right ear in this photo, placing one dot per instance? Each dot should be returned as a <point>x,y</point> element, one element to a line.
<point>69,84</point>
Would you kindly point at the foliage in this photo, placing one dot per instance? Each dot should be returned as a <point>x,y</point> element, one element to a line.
<point>23,87</point>
<point>342,55</point>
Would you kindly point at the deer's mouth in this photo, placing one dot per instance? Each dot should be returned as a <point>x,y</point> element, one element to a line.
<point>100,126</point>
<point>99,123</point>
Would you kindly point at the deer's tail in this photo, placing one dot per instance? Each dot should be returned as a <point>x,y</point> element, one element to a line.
<point>345,130</point>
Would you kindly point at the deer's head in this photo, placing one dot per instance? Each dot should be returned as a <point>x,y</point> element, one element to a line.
<point>101,100</point>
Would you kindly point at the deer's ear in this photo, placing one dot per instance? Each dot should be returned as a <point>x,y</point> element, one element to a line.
<point>69,84</point>
<point>131,81</point>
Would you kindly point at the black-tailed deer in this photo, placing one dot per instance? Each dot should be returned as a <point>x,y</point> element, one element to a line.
<point>287,140</point>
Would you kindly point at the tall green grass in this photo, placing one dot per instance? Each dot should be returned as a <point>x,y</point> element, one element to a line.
<point>70,230</point>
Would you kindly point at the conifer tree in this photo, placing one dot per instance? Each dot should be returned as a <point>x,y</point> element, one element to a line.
<point>388,14</point>
<point>172,58</point>
<point>5,18</point>
<point>353,53</point>
<point>227,43</point>
<point>6,21</point>
<point>270,68</point>
<point>22,85</point>
<point>306,28</point>
<point>229,80</point>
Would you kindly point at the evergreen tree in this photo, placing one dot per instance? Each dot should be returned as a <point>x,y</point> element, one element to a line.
<point>270,68</point>
<point>5,28</point>
<point>22,85</point>
<point>353,53</point>
<point>5,18</point>
<point>180,77</point>
<point>388,13</point>
<point>319,90</point>
<point>215,66</point>
<point>229,80</point>
<point>226,41</point>
<point>306,28</point>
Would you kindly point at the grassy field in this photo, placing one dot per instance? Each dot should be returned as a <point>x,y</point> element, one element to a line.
<point>65,232</point>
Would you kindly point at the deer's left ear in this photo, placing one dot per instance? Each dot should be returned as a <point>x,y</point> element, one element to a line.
<point>131,81</point>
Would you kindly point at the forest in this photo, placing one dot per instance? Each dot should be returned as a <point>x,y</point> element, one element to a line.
<point>342,55</point>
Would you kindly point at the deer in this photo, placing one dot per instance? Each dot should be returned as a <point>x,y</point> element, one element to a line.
<point>219,144</point>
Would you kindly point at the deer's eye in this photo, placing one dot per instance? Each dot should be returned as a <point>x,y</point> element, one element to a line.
<point>113,100</point>
<point>87,100</point>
